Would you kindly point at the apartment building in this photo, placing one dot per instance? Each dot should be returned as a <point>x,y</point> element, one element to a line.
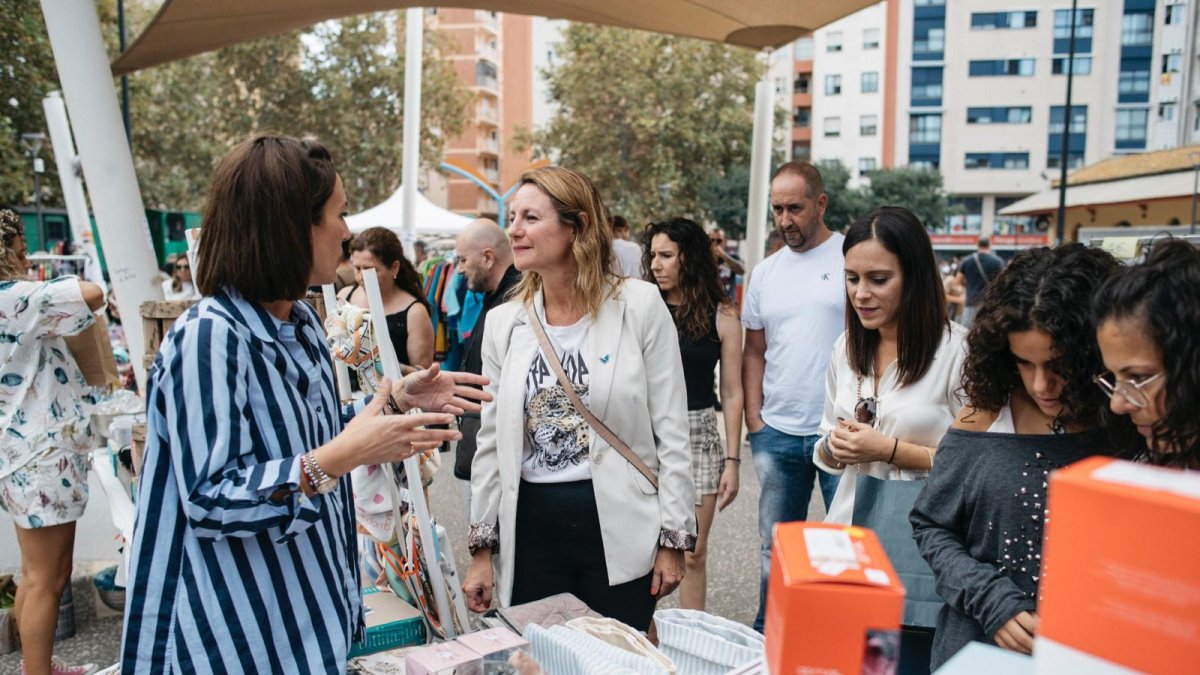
<point>493,57</point>
<point>976,89</point>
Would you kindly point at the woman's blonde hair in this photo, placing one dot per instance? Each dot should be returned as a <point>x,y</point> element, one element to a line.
<point>579,207</point>
<point>11,229</point>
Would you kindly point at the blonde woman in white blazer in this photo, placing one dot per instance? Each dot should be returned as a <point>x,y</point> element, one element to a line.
<point>554,507</point>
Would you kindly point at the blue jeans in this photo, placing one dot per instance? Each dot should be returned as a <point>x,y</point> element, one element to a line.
<point>784,464</point>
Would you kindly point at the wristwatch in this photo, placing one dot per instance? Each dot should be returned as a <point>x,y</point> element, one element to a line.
<point>322,483</point>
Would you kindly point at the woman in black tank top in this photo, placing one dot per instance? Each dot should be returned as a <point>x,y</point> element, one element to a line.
<point>407,316</point>
<point>679,259</point>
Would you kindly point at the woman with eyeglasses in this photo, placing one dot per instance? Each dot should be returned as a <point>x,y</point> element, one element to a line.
<point>1148,328</point>
<point>1032,409</point>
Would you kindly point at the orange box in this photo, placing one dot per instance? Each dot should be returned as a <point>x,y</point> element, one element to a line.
<point>1121,586</point>
<point>834,603</point>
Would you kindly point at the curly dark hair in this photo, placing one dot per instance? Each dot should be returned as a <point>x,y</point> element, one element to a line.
<point>1163,295</point>
<point>1048,289</point>
<point>699,282</point>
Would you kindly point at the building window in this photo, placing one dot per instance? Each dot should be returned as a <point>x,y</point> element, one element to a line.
<point>927,86</point>
<point>1082,65</point>
<point>1074,159</point>
<point>804,49</point>
<point>933,41</point>
<point>1166,111</point>
<point>803,83</point>
<point>929,3</point>
<point>833,41</point>
<point>1137,30</point>
<point>1062,24</point>
<point>833,85</point>
<point>868,125</point>
<point>871,38</point>
<point>925,129</point>
<point>997,160</point>
<point>1172,63</point>
<point>1001,68</point>
<point>1131,127</point>
<point>1010,115</point>
<point>1174,14</point>
<point>833,127</point>
<point>802,117</point>
<point>1002,20</point>
<point>801,150</point>
<point>1078,119</point>
<point>485,75</point>
<point>870,82</point>
<point>866,164</point>
<point>1134,80</point>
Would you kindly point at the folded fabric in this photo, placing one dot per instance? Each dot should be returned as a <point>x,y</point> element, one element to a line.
<point>621,635</point>
<point>702,644</point>
<point>565,651</point>
<point>550,611</point>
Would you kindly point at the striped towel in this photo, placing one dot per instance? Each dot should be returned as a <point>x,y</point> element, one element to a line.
<point>565,651</point>
<point>702,644</point>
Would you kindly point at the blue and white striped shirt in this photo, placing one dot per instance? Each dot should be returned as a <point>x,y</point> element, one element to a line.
<point>228,576</point>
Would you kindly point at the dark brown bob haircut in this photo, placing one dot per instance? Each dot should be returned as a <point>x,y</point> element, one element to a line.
<point>266,196</point>
<point>923,314</point>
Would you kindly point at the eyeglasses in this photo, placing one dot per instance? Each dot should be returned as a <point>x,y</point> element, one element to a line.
<point>717,241</point>
<point>1130,390</point>
<point>865,410</point>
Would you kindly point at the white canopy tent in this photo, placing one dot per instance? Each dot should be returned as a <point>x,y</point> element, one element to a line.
<point>430,219</point>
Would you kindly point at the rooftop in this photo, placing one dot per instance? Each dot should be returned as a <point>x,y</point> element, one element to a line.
<point>1142,164</point>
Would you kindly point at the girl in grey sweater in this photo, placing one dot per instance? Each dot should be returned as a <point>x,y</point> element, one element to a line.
<point>1032,409</point>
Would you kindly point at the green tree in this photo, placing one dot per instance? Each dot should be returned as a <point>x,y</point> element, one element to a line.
<point>918,190</point>
<point>27,70</point>
<point>645,114</point>
<point>723,200</point>
<point>846,204</point>
<point>341,81</point>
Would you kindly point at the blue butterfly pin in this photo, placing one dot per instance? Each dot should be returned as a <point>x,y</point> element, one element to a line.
<point>604,359</point>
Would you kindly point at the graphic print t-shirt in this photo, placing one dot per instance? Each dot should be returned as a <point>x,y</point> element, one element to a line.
<point>556,436</point>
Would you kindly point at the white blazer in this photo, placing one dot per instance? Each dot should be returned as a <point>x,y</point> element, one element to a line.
<point>636,387</point>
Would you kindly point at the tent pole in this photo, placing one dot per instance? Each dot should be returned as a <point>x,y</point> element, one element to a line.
<point>414,39</point>
<point>760,170</point>
<point>72,181</point>
<point>87,85</point>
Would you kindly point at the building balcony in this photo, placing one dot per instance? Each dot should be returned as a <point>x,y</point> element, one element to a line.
<point>489,146</point>
<point>487,50</point>
<point>488,20</point>
<point>486,113</point>
<point>488,84</point>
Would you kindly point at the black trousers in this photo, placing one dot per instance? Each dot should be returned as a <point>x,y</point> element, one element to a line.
<point>559,549</point>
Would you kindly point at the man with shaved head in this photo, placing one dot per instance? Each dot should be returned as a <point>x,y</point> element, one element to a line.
<point>485,261</point>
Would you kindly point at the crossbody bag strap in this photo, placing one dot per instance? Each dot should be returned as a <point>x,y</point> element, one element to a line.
<point>982,271</point>
<point>593,421</point>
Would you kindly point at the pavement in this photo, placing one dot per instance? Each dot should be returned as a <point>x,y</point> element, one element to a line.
<point>732,573</point>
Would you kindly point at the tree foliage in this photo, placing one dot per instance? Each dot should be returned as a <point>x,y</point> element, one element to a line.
<point>27,71</point>
<point>917,190</point>
<point>341,81</point>
<point>652,119</point>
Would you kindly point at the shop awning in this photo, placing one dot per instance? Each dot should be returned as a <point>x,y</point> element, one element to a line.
<point>1126,191</point>
<point>185,28</point>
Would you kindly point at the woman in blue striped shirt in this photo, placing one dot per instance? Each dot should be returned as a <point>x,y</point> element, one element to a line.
<point>244,557</point>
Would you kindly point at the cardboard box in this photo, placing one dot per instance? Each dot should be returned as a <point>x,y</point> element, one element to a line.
<point>391,623</point>
<point>494,645</point>
<point>446,658</point>
<point>1120,585</point>
<point>834,603</point>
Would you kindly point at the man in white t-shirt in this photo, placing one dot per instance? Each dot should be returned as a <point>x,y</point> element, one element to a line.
<point>793,312</point>
<point>628,253</point>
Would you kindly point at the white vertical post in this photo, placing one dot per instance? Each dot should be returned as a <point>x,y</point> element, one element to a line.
<point>71,179</point>
<point>87,86</point>
<point>414,40</point>
<point>760,171</point>
<point>412,469</point>
<point>343,374</point>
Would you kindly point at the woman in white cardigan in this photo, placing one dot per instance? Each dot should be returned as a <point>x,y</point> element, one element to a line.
<point>554,507</point>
